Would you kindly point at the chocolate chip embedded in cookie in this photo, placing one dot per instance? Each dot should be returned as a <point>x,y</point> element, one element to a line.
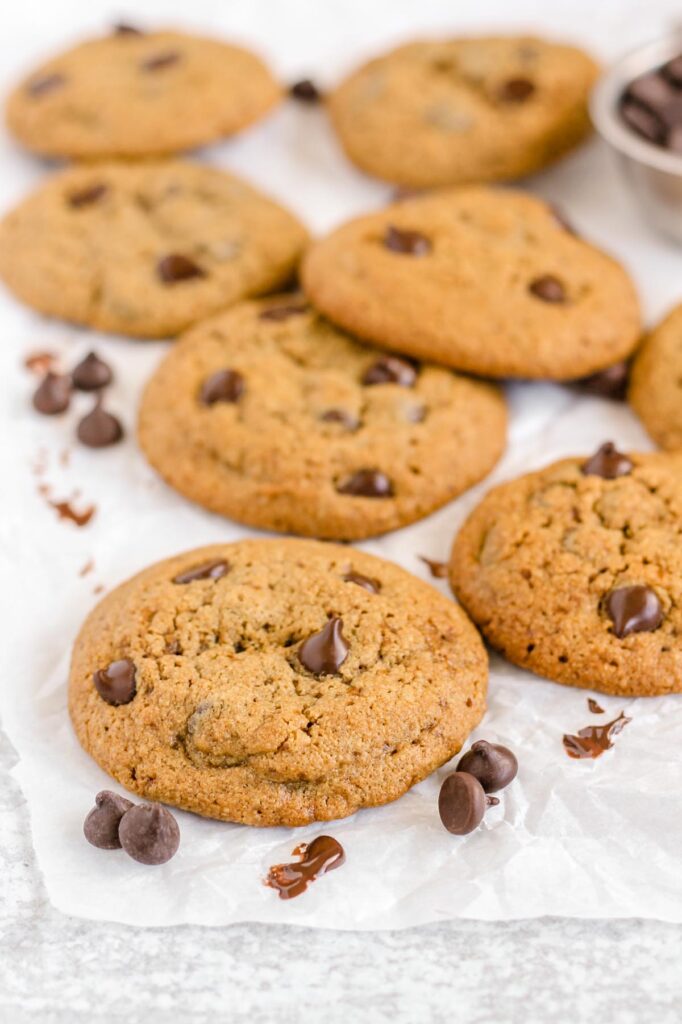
<point>145,250</point>
<point>486,281</point>
<point>656,382</point>
<point>577,575</point>
<point>286,423</point>
<point>134,94</point>
<point>281,692</point>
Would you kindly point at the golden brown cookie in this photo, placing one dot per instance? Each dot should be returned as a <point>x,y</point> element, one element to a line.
<point>137,94</point>
<point>575,572</point>
<point>145,249</point>
<point>275,682</point>
<point>656,381</point>
<point>488,281</point>
<point>456,111</point>
<point>271,416</point>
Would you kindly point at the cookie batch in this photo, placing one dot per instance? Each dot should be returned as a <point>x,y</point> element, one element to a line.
<point>336,389</point>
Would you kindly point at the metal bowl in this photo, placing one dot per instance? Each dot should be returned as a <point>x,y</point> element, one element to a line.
<point>655,174</point>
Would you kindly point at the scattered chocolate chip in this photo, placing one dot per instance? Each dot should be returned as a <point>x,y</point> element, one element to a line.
<point>101,825</point>
<point>99,428</point>
<point>149,834</point>
<point>46,83</point>
<point>346,419</point>
<point>159,61</point>
<point>594,740</point>
<point>547,288</point>
<point>175,267</point>
<point>635,609</point>
<point>283,311</point>
<point>461,803</point>
<point>391,370</point>
<point>88,196</point>
<point>373,586</point>
<point>122,28</point>
<point>117,683</point>
<point>91,374</point>
<point>609,383</point>
<point>608,463</point>
<point>492,764</point>
<point>222,386</point>
<point>439,570</point>
<point>306,91</point>
<point>53,394</point>
<point>594,707</point>
<point>367,483</point>
<point>324,653</point>
<point>516,90</point>
<point>207,571</point>
<point>644,122</point>
<point>322,855</point>
<point>409,243</point>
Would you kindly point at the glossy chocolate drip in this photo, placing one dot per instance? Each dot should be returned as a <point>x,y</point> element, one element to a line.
<point>322,855</point>
<point>594,740</point>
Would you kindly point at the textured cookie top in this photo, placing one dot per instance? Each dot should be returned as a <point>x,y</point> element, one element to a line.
<point>224,705</point>
<point>135,94</point>
<point>538,562</point>
<point>464,110</point>
<point>270,415</point>
<point>145,249</point>
<point>656,382</point>
<point>485,280</point>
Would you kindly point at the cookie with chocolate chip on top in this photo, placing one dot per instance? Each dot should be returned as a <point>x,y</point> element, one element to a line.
<point>274,682</point>
<point>458,111</point>
<point>135,94</point>
<point>488,281</point>
<point>145,249</point>
<point>575,571</point>
<point>270,415</point>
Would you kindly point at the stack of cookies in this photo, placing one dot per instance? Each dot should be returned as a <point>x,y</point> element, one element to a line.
<point>336,390</point>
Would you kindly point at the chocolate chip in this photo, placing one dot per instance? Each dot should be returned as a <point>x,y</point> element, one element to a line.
<point>346,419</point>
<point>644,122</point>
<point>367,483</point>
<point>88,196</point>
<point>391,370</point>
<point>547,288</point>
<point>91,374</point>
<point>149,834</point>
<point>373,586</point>
<point>116,684</point>
<point>222,386</point>
<point>99,429</point>
<point>175,267</point>
<point>324,653</point>
<point>461,803</point>
<point>283,311</point>
<point>608,463</point>
<point>160,60</point>
<point>206,571</point>
<point>493,765</point>
<point>53,394</point>
<point>122,28</point>
<point>306,91</point>
<point>516,90</point>
<point>635,609</point>
<point>609,383</point>
<point>101,825</point>
<point>46,83</point>
<point>409,243</point>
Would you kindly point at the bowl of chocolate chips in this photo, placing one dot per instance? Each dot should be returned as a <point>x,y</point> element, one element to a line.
<point>637,108</point>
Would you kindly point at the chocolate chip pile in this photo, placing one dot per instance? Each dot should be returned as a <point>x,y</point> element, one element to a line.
<point>465,794</point>
<point>98,428</point>
<point>652,105</point>
<point>147,832</point>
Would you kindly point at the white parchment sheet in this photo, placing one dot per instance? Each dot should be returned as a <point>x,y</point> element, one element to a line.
<point>585,838</point>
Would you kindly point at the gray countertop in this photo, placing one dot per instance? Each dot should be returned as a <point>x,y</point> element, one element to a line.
<point>55,968</point>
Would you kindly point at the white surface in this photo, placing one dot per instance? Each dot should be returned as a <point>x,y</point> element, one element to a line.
<point>591,839</point>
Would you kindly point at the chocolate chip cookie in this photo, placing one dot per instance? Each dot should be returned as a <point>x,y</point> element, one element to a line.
<point>275,682</point>
<point>575,571</point>
<point>457,111</point>
<point>483,280</point>
<point>656,382</point>
<point>145,249</point>
<point>136,94</point>
<point>270,415</point>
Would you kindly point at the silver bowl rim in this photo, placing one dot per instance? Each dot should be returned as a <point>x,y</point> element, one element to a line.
<point>608,90</point>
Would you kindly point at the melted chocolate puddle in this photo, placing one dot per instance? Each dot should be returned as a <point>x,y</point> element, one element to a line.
<point>594,740</point>
<point>40,362</point>
<point>322,855</point>
<point>595,708</point>
<point>439,570</point>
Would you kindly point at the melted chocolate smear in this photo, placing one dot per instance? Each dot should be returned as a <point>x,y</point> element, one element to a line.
<point>594,740</point>
<point>160,61</point>
<point>317,858</point>
<point>408,243</point>
<point>88,196</point>
<point>283,312</point>
<point>439,570</point>
<point>595,708</point>
<point>207,571</point>
<point>123,28</point>
<point>40,362</point>
<point>45,84</point>
<point>65,510</point>
<point>371,585</point>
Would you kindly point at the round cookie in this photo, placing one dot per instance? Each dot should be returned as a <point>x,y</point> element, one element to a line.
<point>204,682</point>
<point>655,391</point>
<point>134,94</point>
<point>456,111</point>
<point>484,280</point>
<point>575,572</point>
<point>273,417</point>
<point>145,249</point>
